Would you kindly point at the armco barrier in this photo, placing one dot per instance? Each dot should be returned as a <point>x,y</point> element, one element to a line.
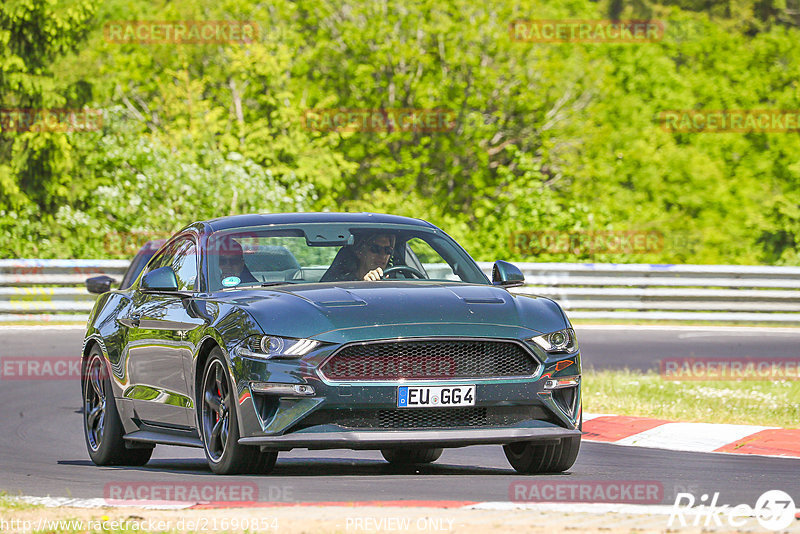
<point>53,290</point>
<point>667,292</point>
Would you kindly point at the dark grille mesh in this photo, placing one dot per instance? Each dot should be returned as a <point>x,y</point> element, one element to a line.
<point>432,418</point>
<point>409,418</point>
<point>429,359</point>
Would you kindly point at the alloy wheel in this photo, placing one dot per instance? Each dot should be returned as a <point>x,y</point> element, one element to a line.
<point>216,410</point>
<point>94,405</point>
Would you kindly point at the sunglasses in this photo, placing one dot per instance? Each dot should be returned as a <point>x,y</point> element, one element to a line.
<point>377,249</point>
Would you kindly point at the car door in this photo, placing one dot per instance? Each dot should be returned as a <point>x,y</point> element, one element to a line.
<point>159,346</point>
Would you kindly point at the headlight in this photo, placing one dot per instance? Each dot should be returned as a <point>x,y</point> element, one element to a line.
<point>267,347</point>
<point>561,342</point>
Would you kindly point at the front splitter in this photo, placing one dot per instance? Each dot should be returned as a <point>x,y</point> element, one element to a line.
<point>336,437</point>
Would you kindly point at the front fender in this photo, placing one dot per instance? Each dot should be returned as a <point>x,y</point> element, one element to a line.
<point>229,326</point>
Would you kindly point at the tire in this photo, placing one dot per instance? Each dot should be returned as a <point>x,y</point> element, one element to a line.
<point>219,426</point>
<point>411,456</point>
<point>102,426</point>
<point>532,457</point>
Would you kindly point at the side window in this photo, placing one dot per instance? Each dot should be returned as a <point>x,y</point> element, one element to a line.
<point>422,256</point>
<point>184,264</point>
<point>182,257</point>
<point>165,257</point>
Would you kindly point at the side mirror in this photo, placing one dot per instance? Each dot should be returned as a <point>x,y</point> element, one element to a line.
<point>99,284</point>
<point>507,275</point>
<point>161,279</point>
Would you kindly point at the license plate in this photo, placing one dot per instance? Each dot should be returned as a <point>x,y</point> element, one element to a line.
<point>427,396</point>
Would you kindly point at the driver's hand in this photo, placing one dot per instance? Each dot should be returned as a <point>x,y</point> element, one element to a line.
<point>374,275</point>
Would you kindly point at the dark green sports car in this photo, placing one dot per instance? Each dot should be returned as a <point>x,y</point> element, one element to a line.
<point>254,334</point>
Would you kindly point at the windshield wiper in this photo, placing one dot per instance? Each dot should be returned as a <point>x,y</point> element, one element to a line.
<point>268,284</point>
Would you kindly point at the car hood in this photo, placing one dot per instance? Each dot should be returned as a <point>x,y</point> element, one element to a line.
<point>362,310</point>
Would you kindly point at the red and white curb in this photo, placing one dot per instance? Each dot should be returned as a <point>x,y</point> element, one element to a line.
<point>56,502</point>
<point>693,437</point>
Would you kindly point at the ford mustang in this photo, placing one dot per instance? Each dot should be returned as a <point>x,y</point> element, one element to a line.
<point>254,334</point>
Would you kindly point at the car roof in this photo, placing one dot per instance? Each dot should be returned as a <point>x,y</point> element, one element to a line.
<point>238,221</point>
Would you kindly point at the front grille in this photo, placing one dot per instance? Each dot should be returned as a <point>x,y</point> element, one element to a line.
<point>410,418</point>
<point>429,359</point>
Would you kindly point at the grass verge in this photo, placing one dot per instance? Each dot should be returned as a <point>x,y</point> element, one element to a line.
<point>754,402</point>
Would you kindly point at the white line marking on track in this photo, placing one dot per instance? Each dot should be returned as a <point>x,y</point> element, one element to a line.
<point>696,437</point>
<point>53,502</point>
<point>589,507</point>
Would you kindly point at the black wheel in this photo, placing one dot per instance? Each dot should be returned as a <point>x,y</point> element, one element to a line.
<point>533,457</point>
<point>404,268</point>
<point>411,456</point>
<point>102,426</point>
<point>219,425</point>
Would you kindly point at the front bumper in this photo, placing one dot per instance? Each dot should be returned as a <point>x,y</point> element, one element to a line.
<point>365,415</point>
<point>335,437</point>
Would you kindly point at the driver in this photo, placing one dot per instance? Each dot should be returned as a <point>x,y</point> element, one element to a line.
<point>373,255</point>
<point>231,263</point>
<point>366,259</point>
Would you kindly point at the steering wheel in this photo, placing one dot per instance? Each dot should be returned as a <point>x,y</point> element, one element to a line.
<point>405,268</point>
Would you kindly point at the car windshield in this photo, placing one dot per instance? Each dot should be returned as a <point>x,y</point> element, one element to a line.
<point>315,253</point>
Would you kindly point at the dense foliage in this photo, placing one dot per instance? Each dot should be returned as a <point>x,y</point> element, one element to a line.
<point>545,136</point>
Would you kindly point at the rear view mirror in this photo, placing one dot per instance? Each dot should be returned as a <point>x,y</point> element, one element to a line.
<point>99,284</point>
<point>507,275</point>
<point>329,236</point>
<point>161,279</point>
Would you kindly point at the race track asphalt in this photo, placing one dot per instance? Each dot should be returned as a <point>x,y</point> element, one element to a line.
<point>42,450</point>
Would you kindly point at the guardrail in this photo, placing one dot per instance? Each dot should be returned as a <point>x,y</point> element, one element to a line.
<point>667,292</point>
<point>53,290</point>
